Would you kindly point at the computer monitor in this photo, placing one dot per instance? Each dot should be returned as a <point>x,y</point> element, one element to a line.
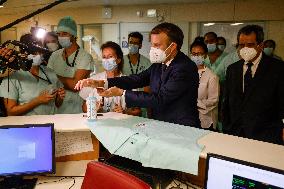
<point>228,173</point>
<point>25,150</point>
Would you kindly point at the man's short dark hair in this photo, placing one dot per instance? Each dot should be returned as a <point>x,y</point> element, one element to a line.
<point>173,32</point>
<point>270,41</point>
<point>222,38</point>
<point>249,29</point>
<point>213,34</point>
<point>199,38</point>
<point>199,44</point>
<point>136,35</point>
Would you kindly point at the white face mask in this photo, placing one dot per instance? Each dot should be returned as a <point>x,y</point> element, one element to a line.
<point>109,64</point>
<point>158,55</point>
<point>65,42</point>
<point>133,49</point>
<point>211,47</point>
<point>52,46</point>
<point>198,60</point>
<point>248,53</point>
<point>37,59</point>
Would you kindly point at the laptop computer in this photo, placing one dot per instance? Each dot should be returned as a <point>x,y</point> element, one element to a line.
<point>229,173</point>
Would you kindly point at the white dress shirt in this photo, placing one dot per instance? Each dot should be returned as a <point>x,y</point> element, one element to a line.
<point>253,67</point>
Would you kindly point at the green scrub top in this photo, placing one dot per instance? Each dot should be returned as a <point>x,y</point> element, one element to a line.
<point>225,63</point>
<point>214,66</point>
<point>72,102</point>
<point>24,87</point>
<point>144,64</point>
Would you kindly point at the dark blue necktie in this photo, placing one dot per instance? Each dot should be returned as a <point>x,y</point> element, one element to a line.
<point>164,67</point>
<point>248,77</point>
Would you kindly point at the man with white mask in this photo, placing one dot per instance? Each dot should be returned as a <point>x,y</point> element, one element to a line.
<point>173,80</point>
<point>254,90</point>
<point>71,64</point>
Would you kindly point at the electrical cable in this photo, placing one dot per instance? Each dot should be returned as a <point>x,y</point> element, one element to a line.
<point>46,182</point>
<point>61,179</point>
<point>73,183</point>
<point>32,14</point>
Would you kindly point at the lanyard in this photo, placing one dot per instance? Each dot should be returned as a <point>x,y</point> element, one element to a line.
<point>47,79</point>
<point>66,58</point>
<point>130,64</point>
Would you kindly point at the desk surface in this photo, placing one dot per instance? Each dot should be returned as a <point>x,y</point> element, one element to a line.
<point>258,152</point>
<point>236,147</point>
<point>66,173</point>
<point>62,122</point>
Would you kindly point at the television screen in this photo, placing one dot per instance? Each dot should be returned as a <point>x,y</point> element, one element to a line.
<point>26,149</point>
<point>223,172</point>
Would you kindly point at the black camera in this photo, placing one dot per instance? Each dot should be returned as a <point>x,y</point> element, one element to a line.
<point>19,58</point>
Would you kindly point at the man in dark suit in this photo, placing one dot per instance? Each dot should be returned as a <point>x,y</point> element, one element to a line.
<point>173,80</point>
<point>254,91</point>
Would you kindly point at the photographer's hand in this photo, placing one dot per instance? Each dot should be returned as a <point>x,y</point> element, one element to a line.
<point>7,54</point>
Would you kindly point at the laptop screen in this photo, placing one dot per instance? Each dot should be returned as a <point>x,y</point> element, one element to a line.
<point>228,173</point>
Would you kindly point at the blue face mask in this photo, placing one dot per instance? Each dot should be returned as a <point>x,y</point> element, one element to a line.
<point>198,60</point>
<point>221,47</point>
<point>268,51</point>
<point>211,47</point>
<point>133,49</point>
<point>64,42</point>
<point>109,64</point>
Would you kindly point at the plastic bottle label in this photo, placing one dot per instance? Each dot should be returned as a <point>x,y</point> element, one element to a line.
<point>91,109</point>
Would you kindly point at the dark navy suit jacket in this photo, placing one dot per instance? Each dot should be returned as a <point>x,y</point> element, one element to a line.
<point>259,112</point>
<point>173,96</point>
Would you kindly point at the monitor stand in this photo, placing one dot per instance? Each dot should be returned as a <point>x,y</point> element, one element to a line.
<point>17,183</point>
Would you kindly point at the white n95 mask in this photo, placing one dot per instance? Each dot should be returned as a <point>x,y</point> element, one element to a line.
<point>158,55</point>
<point>109,64</point>
<point>248,53</point>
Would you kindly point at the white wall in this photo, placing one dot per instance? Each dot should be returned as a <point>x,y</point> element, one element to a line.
<point>271,12</point>
<point>144,28</point>
<point>110,33</point>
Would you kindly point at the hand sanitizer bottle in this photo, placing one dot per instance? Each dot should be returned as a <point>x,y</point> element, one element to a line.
<point>91,107</point>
